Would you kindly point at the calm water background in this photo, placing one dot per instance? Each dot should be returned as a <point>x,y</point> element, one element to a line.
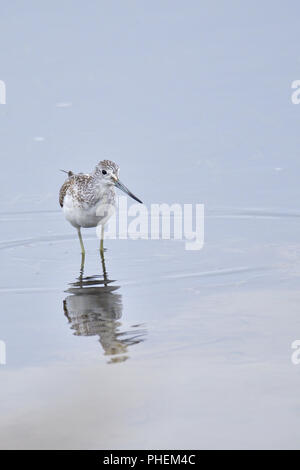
<point>183,349</point>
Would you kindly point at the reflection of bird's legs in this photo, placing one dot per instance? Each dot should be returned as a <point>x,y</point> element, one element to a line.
<point>66,313</point>
<point>103,267</point>
<point>102,239</point>
<point>81,266</point>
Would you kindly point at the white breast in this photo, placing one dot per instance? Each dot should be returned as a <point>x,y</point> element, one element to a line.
<point>86,215</point>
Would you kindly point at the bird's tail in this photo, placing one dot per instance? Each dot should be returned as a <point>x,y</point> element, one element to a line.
<point>69,173</point>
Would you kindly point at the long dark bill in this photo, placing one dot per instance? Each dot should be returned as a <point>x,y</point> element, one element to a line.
<point>126,190</point>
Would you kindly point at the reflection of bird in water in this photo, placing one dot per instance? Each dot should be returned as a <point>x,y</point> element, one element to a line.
<point>94,308</point>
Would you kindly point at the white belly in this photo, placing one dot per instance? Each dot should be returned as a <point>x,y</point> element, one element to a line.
<point>86,216</point>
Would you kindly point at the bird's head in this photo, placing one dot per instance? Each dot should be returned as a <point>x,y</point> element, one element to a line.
<point>108,173</point>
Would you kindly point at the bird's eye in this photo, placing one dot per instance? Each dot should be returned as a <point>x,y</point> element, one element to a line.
<point>104,172</point>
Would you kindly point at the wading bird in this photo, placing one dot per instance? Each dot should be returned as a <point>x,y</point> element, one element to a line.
<point>87,199</point>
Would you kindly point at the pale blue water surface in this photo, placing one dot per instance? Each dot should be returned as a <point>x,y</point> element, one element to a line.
<point>168,348</point>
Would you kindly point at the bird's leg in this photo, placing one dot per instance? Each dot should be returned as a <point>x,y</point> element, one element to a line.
<point>102,240</point>
<point>81,242</point>
<point>82,253</point>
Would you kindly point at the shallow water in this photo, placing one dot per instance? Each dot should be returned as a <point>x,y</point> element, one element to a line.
<point>153,346</point>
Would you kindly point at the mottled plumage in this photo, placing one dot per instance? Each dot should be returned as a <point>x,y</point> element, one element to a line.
<point>78,186</point>
<point>88,200</point>
<point>110,165</point>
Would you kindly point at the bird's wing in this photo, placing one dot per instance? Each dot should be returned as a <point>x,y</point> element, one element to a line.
<point>63,192</point>
<point>74,183</point>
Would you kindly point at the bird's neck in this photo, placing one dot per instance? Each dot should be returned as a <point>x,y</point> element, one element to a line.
<point>103,192</point>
